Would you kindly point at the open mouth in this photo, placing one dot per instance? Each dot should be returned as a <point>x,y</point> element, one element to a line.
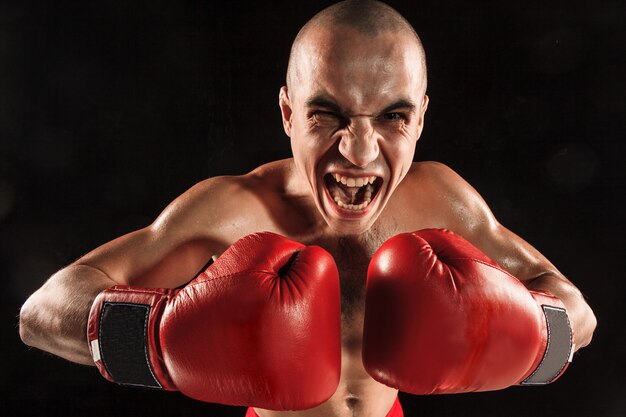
<point>352,193</point>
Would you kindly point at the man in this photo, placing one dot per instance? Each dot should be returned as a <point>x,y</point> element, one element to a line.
<point>353,108</point>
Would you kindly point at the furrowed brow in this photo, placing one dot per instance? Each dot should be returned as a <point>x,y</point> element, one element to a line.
<point>323,101</point>
<point>398,105</point>
<point>326,102</point>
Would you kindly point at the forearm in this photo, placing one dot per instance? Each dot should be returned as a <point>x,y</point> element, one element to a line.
<point>581,316</point>
<point>54,318</point>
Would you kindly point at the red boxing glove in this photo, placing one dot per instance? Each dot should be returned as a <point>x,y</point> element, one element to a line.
<point>441,317</point>
<point>259,327</point>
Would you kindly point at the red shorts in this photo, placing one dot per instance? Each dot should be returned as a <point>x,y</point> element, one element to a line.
<point>396,410</point>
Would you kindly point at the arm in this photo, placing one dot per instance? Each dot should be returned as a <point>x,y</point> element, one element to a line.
<point>469,216</point>
<point>54,318</point>
<point>464,313</point>
<point>167,253</point>
<point>537,273</point>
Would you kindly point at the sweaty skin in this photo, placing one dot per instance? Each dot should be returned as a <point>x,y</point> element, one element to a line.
<point>354,116</point>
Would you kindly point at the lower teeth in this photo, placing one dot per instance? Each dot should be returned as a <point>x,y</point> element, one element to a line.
<point>354,207</point>
<point>349,205</point>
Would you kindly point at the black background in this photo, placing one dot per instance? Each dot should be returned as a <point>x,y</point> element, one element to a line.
<point>109,110</point>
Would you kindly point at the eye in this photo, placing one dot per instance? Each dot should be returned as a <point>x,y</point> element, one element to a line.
<point>324,118</point>
<point>394,117</point>
<point>324,114</point>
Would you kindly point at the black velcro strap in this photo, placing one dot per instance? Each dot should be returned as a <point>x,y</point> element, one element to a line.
<point>123,339</point>
<point>558,350</point>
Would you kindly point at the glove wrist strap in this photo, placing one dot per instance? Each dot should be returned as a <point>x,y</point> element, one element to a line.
<point>559,342</point>
<point>122,336</point>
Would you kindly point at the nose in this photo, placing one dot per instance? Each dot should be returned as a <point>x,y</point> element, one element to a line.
<point>359,143</point>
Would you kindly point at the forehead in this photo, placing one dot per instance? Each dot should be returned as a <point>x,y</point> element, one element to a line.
<point>359,71</point>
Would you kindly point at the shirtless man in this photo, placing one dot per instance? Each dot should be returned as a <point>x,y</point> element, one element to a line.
<point>353,108</point>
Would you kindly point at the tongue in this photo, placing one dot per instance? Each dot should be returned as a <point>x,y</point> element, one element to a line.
<point>342,191</point>
<point>350,195</point>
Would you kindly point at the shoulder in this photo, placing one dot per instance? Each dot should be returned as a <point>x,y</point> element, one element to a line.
<point>220,206</point>
<point>432,171</point>
<point>450,195</point>
<point>208,195</point>
<point>432,175</point>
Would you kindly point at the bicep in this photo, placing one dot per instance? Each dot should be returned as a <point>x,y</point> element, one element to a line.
<point>511,252</point>
<point>202,222</point>
<point>167,254</point>
<point>537,273</point>
<point>470,216</point>
<point>478,225</point>
<point>143,258</point>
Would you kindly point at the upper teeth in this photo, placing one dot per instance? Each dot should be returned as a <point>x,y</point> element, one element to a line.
<point>354,182</point>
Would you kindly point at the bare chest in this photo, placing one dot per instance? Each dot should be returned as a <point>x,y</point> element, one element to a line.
<point>352,254</point>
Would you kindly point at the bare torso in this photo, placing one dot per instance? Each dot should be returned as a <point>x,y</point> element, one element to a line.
<point>274,208</point>
<point>212,215</point>
<point>215,213</point>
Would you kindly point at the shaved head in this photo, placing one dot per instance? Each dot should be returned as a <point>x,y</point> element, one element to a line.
<point>369,18</point>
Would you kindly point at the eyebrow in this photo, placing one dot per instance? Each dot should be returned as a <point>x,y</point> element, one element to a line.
<point>323,101</point>
<point>399,104</point>
<point>328,103</point>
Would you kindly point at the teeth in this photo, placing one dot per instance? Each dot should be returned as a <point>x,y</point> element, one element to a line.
<point>354,207</point>
<point>354,182</point>
<point>367,195</point>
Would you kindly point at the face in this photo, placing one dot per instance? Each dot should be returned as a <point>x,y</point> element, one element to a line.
<point>354,116</point>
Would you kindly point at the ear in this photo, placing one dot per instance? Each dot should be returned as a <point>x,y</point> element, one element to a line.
<point>422,111</point>
<point>285,109</point>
